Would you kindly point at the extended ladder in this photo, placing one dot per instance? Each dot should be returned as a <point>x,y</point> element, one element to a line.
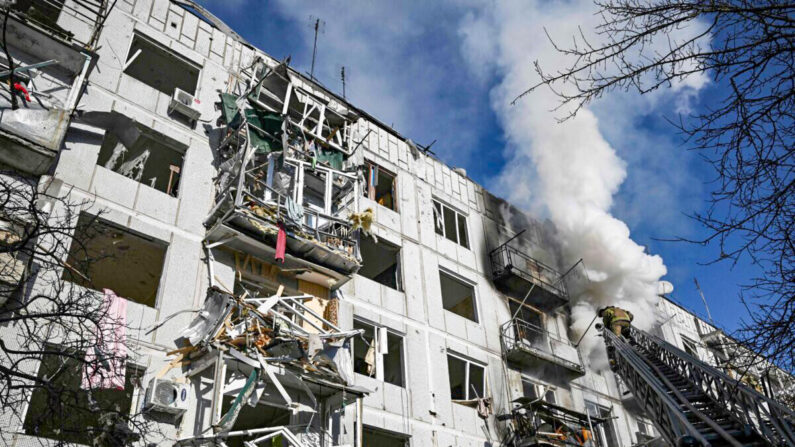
<point>689,400</point>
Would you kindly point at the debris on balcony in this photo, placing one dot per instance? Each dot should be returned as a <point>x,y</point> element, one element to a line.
<point>278,341</point>
<point>534,422</point>
<point>285,180</point>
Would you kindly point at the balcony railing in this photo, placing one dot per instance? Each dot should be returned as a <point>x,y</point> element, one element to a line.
<point>515,273</point>
<point>524,343</point>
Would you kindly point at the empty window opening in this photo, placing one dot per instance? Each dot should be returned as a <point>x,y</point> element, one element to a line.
<point>160,68</point>
<point>143,155</point>
<point>381,186</point>
<point>378,353</point>
<point>605,431</point>
<point>381,262</point>
<point>689,346</point>
<point>67,415</point>
<point>381,438</point>
<point>458,297</point>
<point>450,224</point>
<point>117,259</point>
<point>259,416</point>
<point>467,379</point>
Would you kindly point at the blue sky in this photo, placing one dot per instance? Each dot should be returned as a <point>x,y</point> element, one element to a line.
<point>446,72</point>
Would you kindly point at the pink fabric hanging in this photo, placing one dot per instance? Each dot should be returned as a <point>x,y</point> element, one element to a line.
<point>106,360</point>
<point>281,243</point>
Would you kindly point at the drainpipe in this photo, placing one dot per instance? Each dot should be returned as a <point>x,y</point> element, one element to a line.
<point>359,441</point>
<point>77,86</point>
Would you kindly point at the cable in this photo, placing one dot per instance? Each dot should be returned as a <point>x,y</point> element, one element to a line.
<point>14,105</point>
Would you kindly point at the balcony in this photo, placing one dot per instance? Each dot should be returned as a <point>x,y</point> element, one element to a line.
<point>50,67</point>
<point>529,345</point>
<point>515,273</point>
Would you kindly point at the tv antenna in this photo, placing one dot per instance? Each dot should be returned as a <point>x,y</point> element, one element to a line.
<point>342,76</point>
<point>698,287</point>
<point>318,26</point>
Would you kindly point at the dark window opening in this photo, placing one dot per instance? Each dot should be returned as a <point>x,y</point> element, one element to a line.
<point>606,431</point>
<point>529,323</point>
<point>160,68</point>
<point>458,297</point>
<point>381,186</point>
<point>259,416</point>
<point>467,379</point>
<point>450,224</point>
<point>393,360</point>
<point>105,256</point>
<point>381,262</point>
<point>373,437</point>
<point>45,12</point>
<point>67,415</point>
<point>145,156</point>
<point>364,350</point>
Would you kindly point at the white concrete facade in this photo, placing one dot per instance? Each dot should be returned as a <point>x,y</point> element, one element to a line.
<point>422,409</point>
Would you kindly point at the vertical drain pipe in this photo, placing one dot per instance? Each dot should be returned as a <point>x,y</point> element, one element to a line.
<point>359,442</point>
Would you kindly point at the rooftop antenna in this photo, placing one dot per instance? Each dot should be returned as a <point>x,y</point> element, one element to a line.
<point>342,75</point>
<point>318,26</point>
<point>698,287</point>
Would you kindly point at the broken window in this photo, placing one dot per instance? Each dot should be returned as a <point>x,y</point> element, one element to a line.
<point>381,262</point>
<point>689,346</point>
<point>160,68</point>
<point>458,297</point>
<point>605,431</point>
<point>450,224</point>
<point>42,11</point>
<point>258,416</point>
<point>143,155</point>
<point>372,436</point>
<point>528,323</point>
<point>68,415</point>
<point>534,391</point>
<point>467,379</point>
<point>378,353</point>
<point>103,255</point>
<point>381,186</point>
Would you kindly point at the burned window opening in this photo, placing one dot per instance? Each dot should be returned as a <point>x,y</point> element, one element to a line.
<point>381,186</point>
<point>378,358</point>
<point>143,155</point>
<point>372,436</point>
<point>160,68</point>
<point>458,297</point>
<point>115,258</point>
<point>467,379</point>
<point>70,417</point>
<point>450,223</point>
<point>381,262</point>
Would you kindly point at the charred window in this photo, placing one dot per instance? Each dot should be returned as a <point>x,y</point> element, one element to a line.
<point>104,256</point>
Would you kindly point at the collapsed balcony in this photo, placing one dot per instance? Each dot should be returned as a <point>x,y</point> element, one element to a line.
<point>43,81</point>
<point>277,355</point>
<point>519,275</point>
<point>528,344</point>
<point>284,177</point>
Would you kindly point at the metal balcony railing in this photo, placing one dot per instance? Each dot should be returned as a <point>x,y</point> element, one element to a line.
<point>520,338</point>
<point>508,260</point>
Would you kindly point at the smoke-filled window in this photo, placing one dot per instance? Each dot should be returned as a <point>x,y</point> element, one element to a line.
<point>467,378</point>
<point>458,296</point>
<point>450,224</point>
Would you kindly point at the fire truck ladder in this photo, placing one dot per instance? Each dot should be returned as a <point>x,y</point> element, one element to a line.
<point>693,403</point>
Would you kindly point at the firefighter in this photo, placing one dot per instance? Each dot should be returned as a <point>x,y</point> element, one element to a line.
<point>616,319</point>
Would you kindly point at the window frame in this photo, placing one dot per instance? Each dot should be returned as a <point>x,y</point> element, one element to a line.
<point>538,387</point>
<point>473,286</point>
<point>369,167</point>
<point>398,250</point>
<point>160,46</point>
<point>459,216</point>
<point>379,356</point>
<point>688,344</point>
<point>468,362</point>
<point>600,429</point>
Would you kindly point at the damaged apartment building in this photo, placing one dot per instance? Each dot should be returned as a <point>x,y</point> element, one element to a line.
<point>297,272</point>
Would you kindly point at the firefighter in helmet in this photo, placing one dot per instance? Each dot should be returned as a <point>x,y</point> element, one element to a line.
<point>617,320</point>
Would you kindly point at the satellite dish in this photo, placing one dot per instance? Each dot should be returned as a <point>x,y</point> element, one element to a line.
<point>664,288</point>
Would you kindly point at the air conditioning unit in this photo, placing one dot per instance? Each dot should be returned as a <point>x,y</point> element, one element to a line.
<point>166,396</point>
<point>184,103</point>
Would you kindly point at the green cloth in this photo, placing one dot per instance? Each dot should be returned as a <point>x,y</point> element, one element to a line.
<point>332,157</point>
<point>229,109</point>
<point>265,130</point>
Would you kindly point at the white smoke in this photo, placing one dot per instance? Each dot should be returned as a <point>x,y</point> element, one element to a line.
<point>569,168</point>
